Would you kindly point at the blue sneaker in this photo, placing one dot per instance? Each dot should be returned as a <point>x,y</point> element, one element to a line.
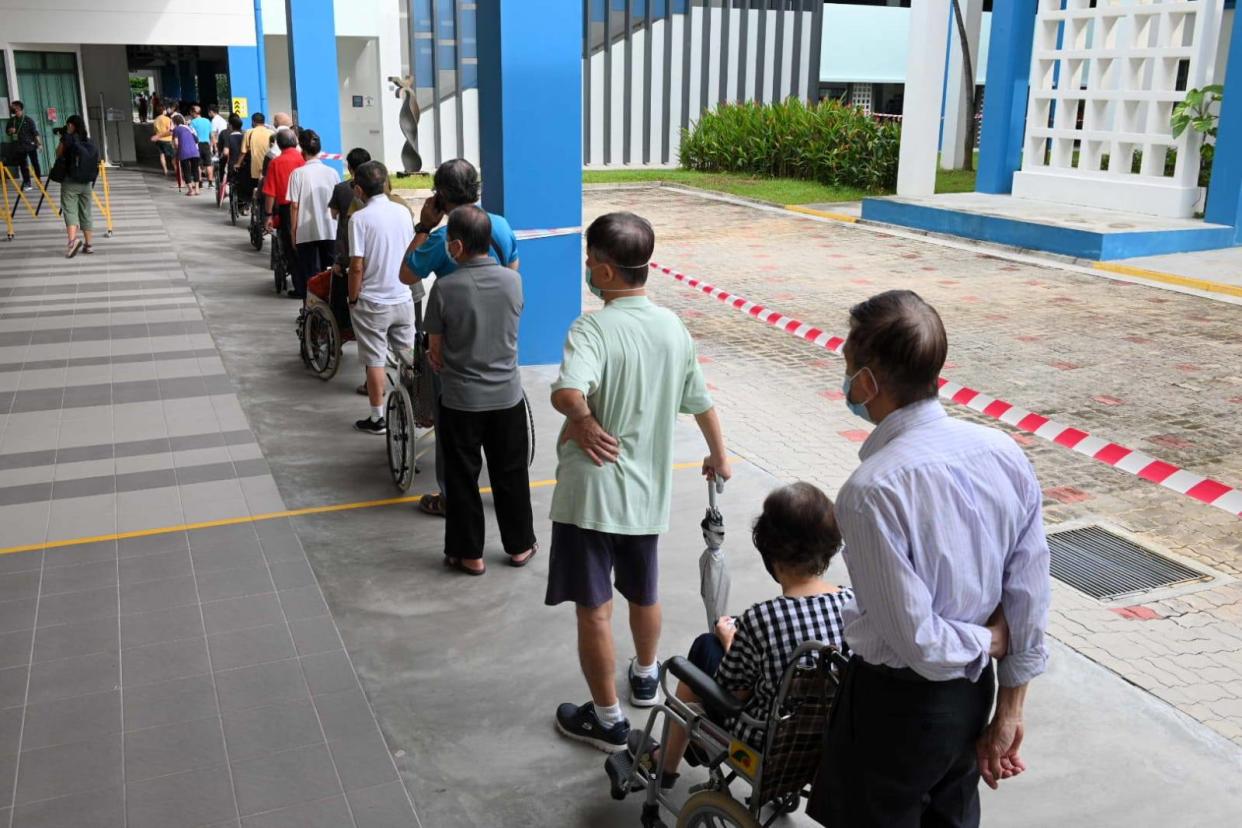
<point>644,692</point>
<point>583,725</point>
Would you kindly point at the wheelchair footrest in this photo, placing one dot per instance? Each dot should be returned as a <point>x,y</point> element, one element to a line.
<point>619,767</point>
<point>651,817</point>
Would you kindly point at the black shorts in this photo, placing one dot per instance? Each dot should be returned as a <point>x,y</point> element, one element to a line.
<point>166,148</point>
<point>204,153</point>
<point>582,564</point>
<point>189,169</point>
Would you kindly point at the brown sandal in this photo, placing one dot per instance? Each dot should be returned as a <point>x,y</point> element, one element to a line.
<point>530,556</point>
<point>432,504</point>
<point>457,564</point>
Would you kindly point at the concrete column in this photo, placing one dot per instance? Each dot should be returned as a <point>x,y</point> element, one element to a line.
<point>314,82</point>
<point>390,45</point>
<point>1225,191</point>
<point>957,112</point>
<point>920,123</point>
<point>1004,105</point>
<point>530,126</point>
<point>246,80</point>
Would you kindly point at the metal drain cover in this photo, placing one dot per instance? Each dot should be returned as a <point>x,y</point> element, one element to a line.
<point>1106,566</point>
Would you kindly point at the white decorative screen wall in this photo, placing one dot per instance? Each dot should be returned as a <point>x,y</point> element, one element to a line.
<point>1105,75</point>
<point>860,97</point>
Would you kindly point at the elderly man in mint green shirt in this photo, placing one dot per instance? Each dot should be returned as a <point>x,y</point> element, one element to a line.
<point>628,371</point>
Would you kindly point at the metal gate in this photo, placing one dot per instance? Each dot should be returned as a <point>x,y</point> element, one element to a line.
<point>47,83</point>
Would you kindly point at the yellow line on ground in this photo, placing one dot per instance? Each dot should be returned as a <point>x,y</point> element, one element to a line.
<point>810,211</point>
<point>288,513</point>
<point>1170,278</point>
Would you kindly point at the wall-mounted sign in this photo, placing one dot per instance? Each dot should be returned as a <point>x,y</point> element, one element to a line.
<point>241,107</point>
<point>357,101</point>
<point>51,115</point>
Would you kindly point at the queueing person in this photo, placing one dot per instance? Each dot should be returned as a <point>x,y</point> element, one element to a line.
<point>628,371</point>
<point>202,131</point>
<point>313,228</point>
<point>162,136</point>
<point>344,203</point>
<point>186,143</point>
<point>456,183</point>
<point>380,305</point>
<point>81,168</point>
<point>249,164</point>
<point>276,194</point>
<point>472,320</point>
<point>23,131</point>
<point>943,528</point>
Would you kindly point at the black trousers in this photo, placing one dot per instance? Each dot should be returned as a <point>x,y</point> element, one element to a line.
<point>313,257</point>
<point>29,160</point>
<point>900,751</point>
<point>284,213</point>
<point>504,437</point>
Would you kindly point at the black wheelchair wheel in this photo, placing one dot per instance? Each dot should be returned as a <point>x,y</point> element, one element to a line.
<point>256,229</point>
<point>402,438</point>
<point>321,340</point>
<point>278,268</point>
<point>303,314</point>
<point>714,809</point>
<point>232,207</point>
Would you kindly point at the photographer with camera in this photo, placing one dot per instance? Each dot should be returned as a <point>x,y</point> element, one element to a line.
<point>76,168</point>
<point>23,131</point>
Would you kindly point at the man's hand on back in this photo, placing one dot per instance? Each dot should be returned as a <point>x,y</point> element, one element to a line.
<point>590,436</point>
<point>997,748</point>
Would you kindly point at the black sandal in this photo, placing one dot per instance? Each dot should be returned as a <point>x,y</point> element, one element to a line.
<point>456,563</point>
<point>530,556</point>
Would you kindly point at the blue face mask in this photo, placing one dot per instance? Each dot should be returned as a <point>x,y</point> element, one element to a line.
<point>591,285</point>
<point>859,409</point>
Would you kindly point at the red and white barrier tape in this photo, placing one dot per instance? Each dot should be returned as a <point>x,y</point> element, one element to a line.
<point>1204,489</point>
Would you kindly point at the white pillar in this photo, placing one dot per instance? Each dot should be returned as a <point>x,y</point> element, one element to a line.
<point>957,93</point>
<point>920,122</point>
<point>390,63</point>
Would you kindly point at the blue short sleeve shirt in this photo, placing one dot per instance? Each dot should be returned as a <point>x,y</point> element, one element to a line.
<point>432,256</point>
<point>202,129</point>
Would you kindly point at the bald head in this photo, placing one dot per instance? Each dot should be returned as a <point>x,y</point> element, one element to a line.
<point>902,340</point>
<point>282,119</point>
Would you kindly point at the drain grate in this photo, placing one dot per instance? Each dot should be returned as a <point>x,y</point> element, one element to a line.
<point>1106,566</point>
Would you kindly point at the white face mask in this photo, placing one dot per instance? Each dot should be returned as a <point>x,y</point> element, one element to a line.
<point>600,293</point>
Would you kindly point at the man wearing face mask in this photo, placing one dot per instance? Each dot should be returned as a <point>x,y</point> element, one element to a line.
<point>472,320</point>
<point>628,371</point>
<point>944,535</point>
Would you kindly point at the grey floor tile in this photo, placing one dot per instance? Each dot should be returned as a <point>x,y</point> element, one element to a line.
<point>94,809</point>
<point>72,607</point>
<point>383,806</point>
<point>260,685</point>
<point>156,595</point>
<point>292,574</point>
<point>242,555</point>
<point>197,797</point>
<point>152,544</point>
<point>20,562</point>
<point>315,635</point>
<point>271,729</point>
<point>345,714</point>
<point>165,661</point>
<point>363,761</point>
<point>329,673</point>
<point>13,686</point>
<point>136,481</point>
<point>10,730</point>
<point>215,537</point>
<point>279,780</point>
<point>71,720</point>
<point>304,602</point>
<point>70,677</point>
<point>173,748</point>
<point>324,813</point>
<point>15,649</point>
<point>68,640</point>
<point>79,578</point>
<point>179,700</point>
<point>17,586</point>
<point>234,583</point>
<point>155,567</point>
<point>143,628</point>
<point>248,647</point>
<point>17,615</point>
<point>84,487</point>
<point>283,548</point>
<point>240,613</point>
<point>68,769</point>
<point>81,553</point>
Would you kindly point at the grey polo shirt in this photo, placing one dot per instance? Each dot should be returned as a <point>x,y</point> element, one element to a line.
<point>477,311</point>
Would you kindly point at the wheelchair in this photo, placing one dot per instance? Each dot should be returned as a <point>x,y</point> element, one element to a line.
<point>408,407</point>
<point>280,259</point>
<point>257,224</point>
<point>778,777</point>
<point>323,325</point>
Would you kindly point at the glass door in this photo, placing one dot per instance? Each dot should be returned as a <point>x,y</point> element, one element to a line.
<point>48,83</point>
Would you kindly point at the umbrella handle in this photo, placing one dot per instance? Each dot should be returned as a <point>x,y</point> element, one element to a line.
<point>714,487</point>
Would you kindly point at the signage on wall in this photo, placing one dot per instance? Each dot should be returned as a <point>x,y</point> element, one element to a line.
<point>51,115</point>
<point>241,107</point>
<point>357,100</point>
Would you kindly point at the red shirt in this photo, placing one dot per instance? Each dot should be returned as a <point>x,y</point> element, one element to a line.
<point>276,182</point>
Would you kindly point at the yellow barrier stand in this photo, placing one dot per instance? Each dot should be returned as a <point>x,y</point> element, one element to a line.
<point>104,206</point>
<point>4,188</point>
<point>21,195</point>
<point>47,196</point>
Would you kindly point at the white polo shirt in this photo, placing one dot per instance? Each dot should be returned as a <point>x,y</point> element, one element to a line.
<point>380,234</point>
<point>310,187</point>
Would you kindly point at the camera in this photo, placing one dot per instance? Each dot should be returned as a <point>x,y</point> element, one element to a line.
<point>58,130</point>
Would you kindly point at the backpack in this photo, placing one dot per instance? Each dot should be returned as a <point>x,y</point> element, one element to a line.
<point>84,166</point>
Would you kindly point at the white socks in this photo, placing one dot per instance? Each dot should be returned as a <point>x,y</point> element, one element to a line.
<point>609,716</point>
<point>650,671</point>
<point>377,412</point>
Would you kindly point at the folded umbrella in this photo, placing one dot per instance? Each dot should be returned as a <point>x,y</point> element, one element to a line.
<point>713,571</point>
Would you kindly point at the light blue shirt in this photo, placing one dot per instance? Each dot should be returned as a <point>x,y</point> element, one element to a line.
<point>432,256</point>
<point>942,522</point>
<point>202,129</point>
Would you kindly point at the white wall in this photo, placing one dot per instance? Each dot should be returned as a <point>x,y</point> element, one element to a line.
<point>279,94</point>
<point>106,71</point>
<point>357,62</point>
<point>187,22</point>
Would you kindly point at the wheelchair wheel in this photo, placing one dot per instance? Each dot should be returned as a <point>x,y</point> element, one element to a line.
<point>256,229</point>
<point>279,272</point>
<point>322,343</point>
<point>714,809</point>
<point>399,414</point>
<point>232,206</point>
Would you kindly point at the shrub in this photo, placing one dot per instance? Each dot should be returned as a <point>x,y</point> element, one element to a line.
<point>830,143</point>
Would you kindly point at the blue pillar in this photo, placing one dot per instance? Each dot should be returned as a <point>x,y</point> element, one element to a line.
<point>530,125</point>
<point>314,83</point>
<point>1004,105</point>
<point>1225,191</point>
<point>246,80</point>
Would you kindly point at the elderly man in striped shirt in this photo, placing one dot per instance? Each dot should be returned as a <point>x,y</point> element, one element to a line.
<point>944,531</point>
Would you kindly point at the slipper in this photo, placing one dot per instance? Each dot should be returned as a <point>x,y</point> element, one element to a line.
<point>432,504</point>
<point>73,247</point>
<point>87,249</point>
<point>530,556</point>
<point>456,563</point>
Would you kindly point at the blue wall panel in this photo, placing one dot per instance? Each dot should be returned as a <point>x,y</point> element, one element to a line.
<point>1225,193</point>
<point>313,78</point>
<point>1004,105</point>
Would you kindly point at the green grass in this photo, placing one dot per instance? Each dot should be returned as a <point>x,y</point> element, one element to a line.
<point>772,190</point>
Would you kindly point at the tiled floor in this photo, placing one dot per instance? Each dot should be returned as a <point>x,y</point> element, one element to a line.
<point>175,679</point>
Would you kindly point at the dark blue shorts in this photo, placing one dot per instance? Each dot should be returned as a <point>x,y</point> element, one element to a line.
<point>584,564</point>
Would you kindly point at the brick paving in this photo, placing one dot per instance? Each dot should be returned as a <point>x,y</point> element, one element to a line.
<point>1155,370</point>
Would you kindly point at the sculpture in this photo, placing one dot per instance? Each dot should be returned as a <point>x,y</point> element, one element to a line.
<point>410,112</point>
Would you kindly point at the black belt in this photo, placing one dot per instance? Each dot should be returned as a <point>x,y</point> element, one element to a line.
<point>899,673</point>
